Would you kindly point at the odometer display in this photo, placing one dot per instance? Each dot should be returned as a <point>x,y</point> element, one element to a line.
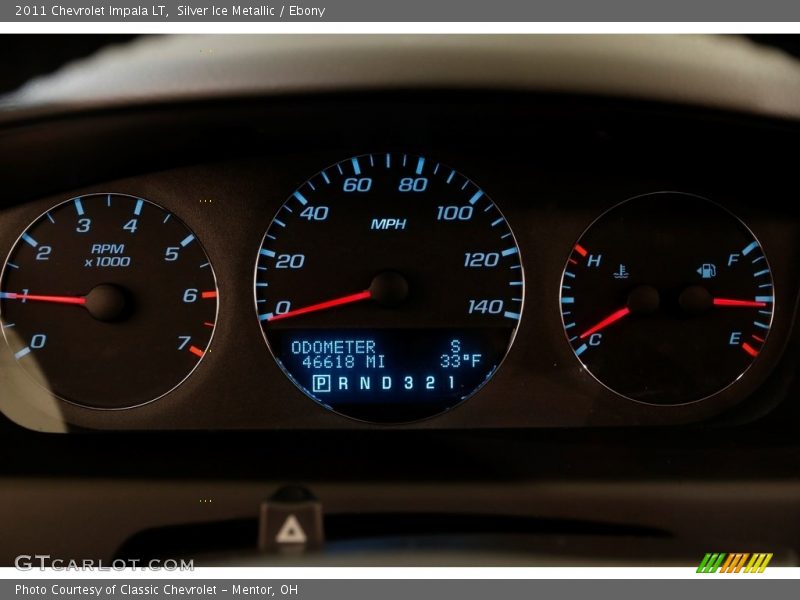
<point>389,287</point>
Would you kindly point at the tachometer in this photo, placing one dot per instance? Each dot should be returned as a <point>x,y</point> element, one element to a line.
<point>389,287</point>
<point>667,298</point>
<point>108,301</point>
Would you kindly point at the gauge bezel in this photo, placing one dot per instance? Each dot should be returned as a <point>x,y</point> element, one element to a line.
<point>725,388</point>
<point>49,391</point>
<point>329,409</point>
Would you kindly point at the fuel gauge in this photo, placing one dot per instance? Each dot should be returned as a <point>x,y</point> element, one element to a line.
<point>667,298</point>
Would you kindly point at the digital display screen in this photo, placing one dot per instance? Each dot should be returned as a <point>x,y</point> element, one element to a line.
<point>406,368</point>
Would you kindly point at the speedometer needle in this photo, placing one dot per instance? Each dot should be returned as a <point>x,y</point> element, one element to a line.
<point>612,318</point>
<point>79,300</point>
<point>365,295</point>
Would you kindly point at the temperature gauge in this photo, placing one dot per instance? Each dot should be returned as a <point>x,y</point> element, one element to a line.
<point>667,298</point>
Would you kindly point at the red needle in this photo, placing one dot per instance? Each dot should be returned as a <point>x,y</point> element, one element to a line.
<point>612,318</point>
<point>730,302</point>
<point>365,295</point>
<point>80,300</point>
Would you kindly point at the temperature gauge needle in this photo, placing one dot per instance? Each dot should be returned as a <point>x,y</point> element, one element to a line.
<point>78,300</point>
<point>360,296</point>
<point>612,318</point>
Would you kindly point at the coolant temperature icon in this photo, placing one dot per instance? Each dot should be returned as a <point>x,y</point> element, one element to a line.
<point>622,272</point>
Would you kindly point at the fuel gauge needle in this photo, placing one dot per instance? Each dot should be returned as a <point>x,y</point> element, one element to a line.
<point>743,303</point>
<point>77,300</point>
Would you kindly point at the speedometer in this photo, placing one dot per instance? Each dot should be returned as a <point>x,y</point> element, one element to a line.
<point>389,287</point>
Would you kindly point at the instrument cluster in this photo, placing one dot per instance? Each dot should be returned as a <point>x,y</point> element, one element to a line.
<point>392,288</point>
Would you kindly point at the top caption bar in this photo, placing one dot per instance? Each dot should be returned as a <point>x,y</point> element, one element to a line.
<point>464,11</point>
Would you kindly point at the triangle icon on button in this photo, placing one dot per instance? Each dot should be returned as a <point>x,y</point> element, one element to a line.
<point>291,532</point>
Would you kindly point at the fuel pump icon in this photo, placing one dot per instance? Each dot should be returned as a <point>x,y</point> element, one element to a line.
<point>707,271</point>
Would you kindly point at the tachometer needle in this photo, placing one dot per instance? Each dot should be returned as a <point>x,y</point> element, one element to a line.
<point>79,300</point>
<point>612,318</point>
<point>731,302</point>
<point>365,295</point>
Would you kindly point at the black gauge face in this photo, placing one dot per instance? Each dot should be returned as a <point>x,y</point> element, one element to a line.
<point>389,287</point>
<point>667,298</point>
<point>108,301</point>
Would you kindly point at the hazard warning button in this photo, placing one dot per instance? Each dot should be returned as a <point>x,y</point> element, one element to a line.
<point>291,532</point>
<point>290,521</point>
